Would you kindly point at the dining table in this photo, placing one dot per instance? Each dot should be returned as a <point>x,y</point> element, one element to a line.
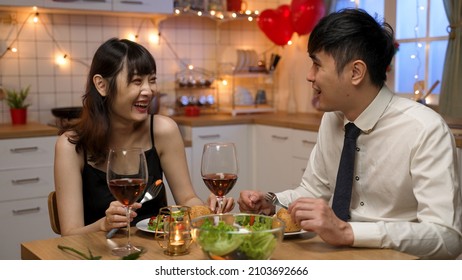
<point>300,246</point>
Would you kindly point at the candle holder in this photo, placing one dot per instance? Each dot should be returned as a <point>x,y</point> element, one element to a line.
<point>174,233</point>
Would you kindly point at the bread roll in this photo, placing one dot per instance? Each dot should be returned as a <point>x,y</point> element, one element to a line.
<point>199,210</point>
<point>291,226</point>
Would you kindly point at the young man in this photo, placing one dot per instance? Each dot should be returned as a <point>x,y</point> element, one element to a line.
<point>405,191</point>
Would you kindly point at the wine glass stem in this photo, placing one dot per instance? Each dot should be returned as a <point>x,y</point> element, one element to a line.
<point>220,200</point>
<point>129,209</point>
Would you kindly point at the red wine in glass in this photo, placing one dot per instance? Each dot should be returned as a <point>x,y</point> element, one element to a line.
<point>219,169</point>
<point>220,183</point>
<point>127,190</point>
<point>127,176</point>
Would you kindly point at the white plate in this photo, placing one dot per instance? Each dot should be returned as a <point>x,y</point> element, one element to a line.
<point>143,225</point>
<point>293,233</point>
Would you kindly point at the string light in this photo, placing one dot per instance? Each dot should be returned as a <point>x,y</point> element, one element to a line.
<point>36,18</point>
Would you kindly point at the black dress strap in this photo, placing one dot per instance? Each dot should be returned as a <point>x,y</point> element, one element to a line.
<point>151,129</point>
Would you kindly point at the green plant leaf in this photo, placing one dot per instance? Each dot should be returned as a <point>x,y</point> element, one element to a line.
<point>17,99</point>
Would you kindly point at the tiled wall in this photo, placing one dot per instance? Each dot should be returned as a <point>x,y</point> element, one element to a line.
<point>196,40</point>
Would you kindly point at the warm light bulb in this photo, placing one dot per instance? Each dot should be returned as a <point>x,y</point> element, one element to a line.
<point>256,12</point>
<point>233,15</point>
<point>154,38</point>
<point>177,11</point>
<point>61,59</point>
<point>248,12</point>
<point>13,49</point>
<point>199,13</point>
<point>290,43</point>
<point>36,19</point>
<point>225,82</point>
<point>190,67</point>
<point>250,18</point>
<point>132,37</point>
<point>212,12</point>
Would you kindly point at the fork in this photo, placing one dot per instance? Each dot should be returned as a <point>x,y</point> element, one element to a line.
<point>150,194</point>
<point>273,199</point>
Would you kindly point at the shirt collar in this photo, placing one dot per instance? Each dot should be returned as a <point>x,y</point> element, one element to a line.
<point>371,115</point>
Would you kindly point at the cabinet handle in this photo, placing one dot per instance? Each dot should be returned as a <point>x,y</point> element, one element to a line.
<point>27,210</point>
<point>305,142</point>
<point>280,137</point>
<point>24,150</point>
<point>209,136</point>
<point>25,181</point>
<point>131,2</point>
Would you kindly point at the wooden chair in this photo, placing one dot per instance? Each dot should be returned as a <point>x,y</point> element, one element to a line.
<point>53,213</point>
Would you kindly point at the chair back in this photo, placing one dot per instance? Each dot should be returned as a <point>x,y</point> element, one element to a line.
<point>53,213</point>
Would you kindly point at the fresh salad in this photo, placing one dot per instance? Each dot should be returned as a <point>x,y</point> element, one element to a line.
<point>157,222</point>
<point>225,241</point>
<point>153,223</point>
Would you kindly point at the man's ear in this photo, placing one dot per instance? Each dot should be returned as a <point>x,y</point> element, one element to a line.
<point>100,84</point>
<point>359,70</point>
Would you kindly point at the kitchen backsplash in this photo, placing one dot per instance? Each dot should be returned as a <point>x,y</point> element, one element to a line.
<point>195,40</point>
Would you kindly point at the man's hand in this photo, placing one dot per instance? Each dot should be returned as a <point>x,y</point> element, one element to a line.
<point>317,216</point>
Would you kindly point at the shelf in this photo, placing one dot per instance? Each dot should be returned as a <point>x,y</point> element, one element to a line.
<point>250,109</point>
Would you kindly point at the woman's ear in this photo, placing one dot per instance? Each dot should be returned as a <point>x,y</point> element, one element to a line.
<point>358,72</point>
<point>100,84</point>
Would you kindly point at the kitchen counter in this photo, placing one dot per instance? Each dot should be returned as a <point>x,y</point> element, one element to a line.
<point>30,129</point>
<point>302,121</point>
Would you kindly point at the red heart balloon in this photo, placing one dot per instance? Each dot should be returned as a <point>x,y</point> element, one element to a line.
<point>306,14</point>
<point>276,24</point>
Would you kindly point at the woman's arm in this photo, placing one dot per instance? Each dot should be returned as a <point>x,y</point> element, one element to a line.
<point>68,167</point>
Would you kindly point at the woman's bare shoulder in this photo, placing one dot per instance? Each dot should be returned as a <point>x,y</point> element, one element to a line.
<point>164,124</point>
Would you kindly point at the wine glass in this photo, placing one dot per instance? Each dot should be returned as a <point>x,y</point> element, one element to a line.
<point>127,176</point>
<point>219,169</point>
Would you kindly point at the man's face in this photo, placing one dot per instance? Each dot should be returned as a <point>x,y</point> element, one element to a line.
<point>330,89</point>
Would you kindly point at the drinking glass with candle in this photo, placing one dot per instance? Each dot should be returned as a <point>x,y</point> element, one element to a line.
<point>174,234</point>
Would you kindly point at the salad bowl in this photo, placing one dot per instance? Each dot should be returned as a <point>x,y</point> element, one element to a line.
<point>237,236</point>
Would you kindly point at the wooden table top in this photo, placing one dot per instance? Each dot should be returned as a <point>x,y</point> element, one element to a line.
<point>296,247</point>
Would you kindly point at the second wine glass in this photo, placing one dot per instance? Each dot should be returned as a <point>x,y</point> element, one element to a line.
<point>127,176</point>
<point>219,169</point>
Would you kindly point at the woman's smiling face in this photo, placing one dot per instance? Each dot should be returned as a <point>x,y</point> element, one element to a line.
<point>134,96</point>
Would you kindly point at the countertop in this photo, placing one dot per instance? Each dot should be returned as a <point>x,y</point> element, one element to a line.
<point>303,121</point>
<point>30,129</point>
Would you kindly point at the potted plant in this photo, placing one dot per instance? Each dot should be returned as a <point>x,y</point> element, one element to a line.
<point>18,107</point>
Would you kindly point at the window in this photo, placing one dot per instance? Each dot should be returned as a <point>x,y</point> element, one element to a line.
<point>420,29</point>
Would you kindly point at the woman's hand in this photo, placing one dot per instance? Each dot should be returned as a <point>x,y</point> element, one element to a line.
<point>228,203</point>
<point>254,202</point>
<point>116,215</point>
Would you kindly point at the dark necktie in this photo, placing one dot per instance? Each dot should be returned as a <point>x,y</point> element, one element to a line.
<point>342,194</point>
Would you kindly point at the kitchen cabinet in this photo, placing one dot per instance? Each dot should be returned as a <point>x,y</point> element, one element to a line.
<point>143,6</point>
<point>26,179</point>
<point>28,3</point>
<point>126,6</point>
<point>240,135</point>
<point>281,156</point>
<point>94,5</point>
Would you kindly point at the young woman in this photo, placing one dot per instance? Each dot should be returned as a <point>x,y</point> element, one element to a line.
<point>120,87</point>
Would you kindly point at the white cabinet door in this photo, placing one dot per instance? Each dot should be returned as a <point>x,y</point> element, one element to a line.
<point>281,156</point>
<point>238,134</point>
<point>273,157</point>
<point>23,220</point>
<point>30,3</point>
<point>96,5</point>
<point>143,6</point>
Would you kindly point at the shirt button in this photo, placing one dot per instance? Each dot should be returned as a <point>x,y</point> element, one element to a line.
<point>361,203</point>
<point>357,178</point>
